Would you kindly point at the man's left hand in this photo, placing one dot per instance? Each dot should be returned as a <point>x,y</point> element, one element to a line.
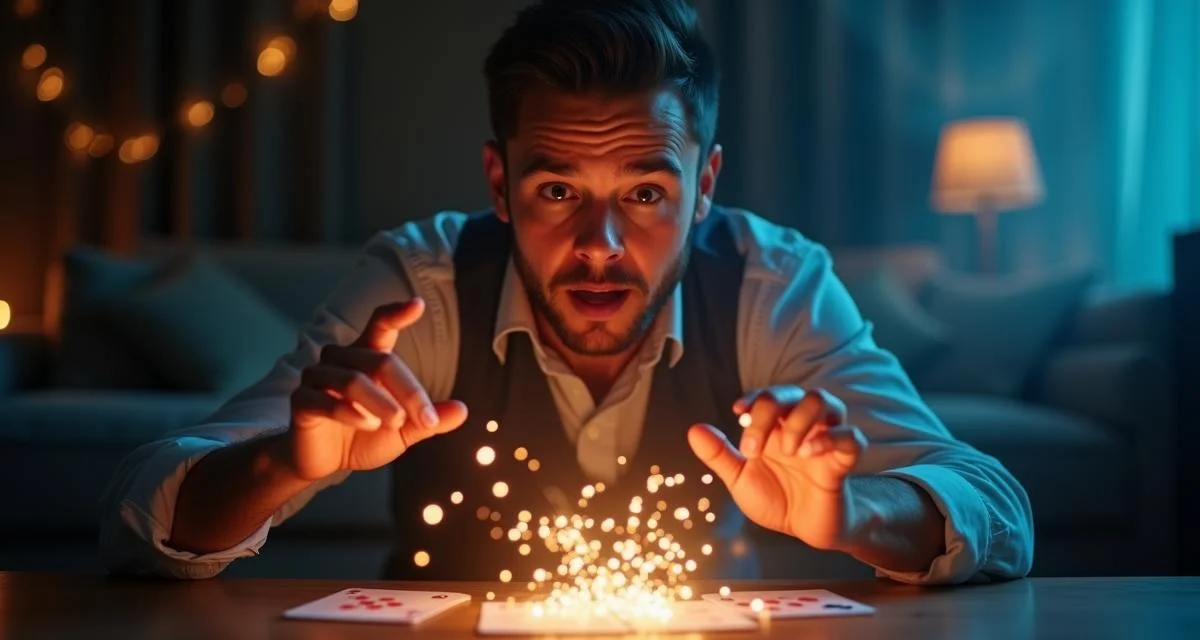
<point>796,454</point>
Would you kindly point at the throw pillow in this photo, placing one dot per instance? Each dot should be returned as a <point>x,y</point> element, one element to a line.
<point>90,354</point>
<point>203,328</point>
<point>901,326</point>
<point>1001,328</point>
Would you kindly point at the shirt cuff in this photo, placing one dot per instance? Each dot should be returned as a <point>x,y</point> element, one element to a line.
<point>968,526</point>
<point>148,513</point>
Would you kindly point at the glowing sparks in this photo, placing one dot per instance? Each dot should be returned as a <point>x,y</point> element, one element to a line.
<point>505,576</point>
<point>433,514</point>
<point>500,489</point>
<point>491,595</point>
<point>706,478</point>
<point>703,504</point>
<point>534,465</point>
<point>482,513</point>
<point>485,456</point>
<point>724,591</point>
<point>745,420</point>
<point>756,605</point>
<point>521,453</point>
<point>588,492</point>
<point>421,558</point>
<point>621,460</point>
<point>706,549</point>
<point>524,516</point>
<point>493,426</point>
<point>456,497</point>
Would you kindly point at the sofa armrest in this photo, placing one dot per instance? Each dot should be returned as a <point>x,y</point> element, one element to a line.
<point>1122,385</point>
<point>23,359</point>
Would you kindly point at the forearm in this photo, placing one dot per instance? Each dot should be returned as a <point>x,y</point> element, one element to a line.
<point>894,524</point>
<point>230,493</point>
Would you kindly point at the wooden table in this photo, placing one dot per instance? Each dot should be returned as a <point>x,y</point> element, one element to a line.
<point>34,605</point>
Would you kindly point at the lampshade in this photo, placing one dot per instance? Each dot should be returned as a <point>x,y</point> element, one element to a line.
<point>5,314</point>
<point>985,163</point>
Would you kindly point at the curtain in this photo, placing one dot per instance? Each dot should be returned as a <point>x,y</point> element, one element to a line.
<point>831,111</point>
<point>217,149</point>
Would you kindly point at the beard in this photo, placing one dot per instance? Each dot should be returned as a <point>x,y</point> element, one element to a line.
<point>598,340</point>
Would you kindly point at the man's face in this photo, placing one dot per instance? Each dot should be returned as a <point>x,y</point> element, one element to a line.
<point>602,193</point>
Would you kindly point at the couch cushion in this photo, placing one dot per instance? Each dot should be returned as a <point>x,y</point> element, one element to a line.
<point>1001,328</point>
<point>205,329</point>
<point>900,325</point>
<point>1077,473</point>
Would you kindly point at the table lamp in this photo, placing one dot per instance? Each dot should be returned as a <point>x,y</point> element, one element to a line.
<point>985,166</point>
<point>5,315</point>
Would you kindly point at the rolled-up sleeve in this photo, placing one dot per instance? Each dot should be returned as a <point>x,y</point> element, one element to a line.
<point>800,326</point>
<point>138,506</point>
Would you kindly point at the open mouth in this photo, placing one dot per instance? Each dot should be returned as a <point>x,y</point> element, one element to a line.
<point>598,304</point>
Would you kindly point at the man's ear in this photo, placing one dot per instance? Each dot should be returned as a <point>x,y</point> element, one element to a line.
<point>708,182</point>
<point>493,170</point>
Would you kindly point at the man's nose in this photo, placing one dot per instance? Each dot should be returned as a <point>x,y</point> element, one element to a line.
<point>599,241</point>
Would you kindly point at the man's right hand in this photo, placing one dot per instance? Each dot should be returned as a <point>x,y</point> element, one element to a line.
<point>360,407</point>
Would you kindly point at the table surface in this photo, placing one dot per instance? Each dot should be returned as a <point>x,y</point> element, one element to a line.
<point>39,605</point>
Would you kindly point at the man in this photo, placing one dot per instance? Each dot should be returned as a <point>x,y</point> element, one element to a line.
<point>607,314</point>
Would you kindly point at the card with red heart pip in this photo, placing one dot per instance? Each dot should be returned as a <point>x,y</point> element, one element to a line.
<point>378,605</point>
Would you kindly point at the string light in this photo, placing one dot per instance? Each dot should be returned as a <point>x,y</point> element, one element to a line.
<point>273,59</point>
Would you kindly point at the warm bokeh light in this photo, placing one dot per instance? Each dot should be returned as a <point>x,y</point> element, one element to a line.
<point>343,10</point>
<point>101,145</point>
<point>421,558</point>
<point>485,455</point>
<point>621,460</point>
<point>233,95</point>
<point>34,56</point>
<point>305,9</point>
<point>456,497</point>
<point>505,576</point>
<point>79,136</point>
<point>138,149</point>
<point>706,478</point>
<point>51,84</point>
<point>26,8</point>
<point>492,426</point>
<point>199,113</point>
<point>745,420</point>
<point>534,465</point>
<point>274,57</point>
<point>521,453</point>
<point>500,489</point>
<point>432,514</point>
<point>5,314</point>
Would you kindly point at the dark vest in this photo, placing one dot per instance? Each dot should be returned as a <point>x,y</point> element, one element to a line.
<point>701,387</point>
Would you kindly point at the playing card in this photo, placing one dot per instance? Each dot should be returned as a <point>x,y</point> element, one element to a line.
<point>378,605</point>
<point>697,615</point>
<point>803,603</point>
<point>502,618</point>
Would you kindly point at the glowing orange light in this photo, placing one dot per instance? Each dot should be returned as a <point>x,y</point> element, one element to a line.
<point>485,455</point>
<point>421,558</point>
<point>233,95</point>
<point>199,113</point>
<point>492,426</point>
<point>500,489</point>
<point>79,136</point>
<point>274,57</point>
<point>343,10</point>
<point>433,514</point>
<point>5,314</point>
<point>101,145</point>
<point>51,84</point>
<point>34,56</point>
<point>26,8</point>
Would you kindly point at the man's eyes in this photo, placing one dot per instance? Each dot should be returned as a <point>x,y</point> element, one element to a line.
<point>643,195</point>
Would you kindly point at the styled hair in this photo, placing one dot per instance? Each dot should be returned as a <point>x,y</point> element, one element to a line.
<point>615,47</point>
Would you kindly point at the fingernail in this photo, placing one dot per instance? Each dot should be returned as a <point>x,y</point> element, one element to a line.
<point>750,446</point>
<point>429,417</point>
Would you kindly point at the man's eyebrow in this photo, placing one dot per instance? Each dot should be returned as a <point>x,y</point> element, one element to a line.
<point>653,164</point>
<point>541,163</point>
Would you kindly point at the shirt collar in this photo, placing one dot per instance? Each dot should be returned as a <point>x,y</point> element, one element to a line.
<point>516,314</point>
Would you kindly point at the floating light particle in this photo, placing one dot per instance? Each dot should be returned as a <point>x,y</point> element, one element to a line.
<point>485,455</point>
<point>456,497</point>
<point>670,482</point>
<point>582,503</point>
<point>534,465</point>
<point>607,525</point>
<point>679,478</point>
<point>710,517</point>
<point>500,489</point>
<point>514,535</point>
<point>706,478</point>
<point>635,507</point>
<point>756,605</point>
<point>432,514</point>
<point>524,516</point>
<point>621,460</point>
<point>497,533</point>
<point>421,558</point>
<point>687,524</point>
<point>520,453</point>
<point>532,587</point>
<point>662,505</point>
<point>510,600</point>
<point>685,592</point>
<point>544,520</point>
<point>599,487</point>
<point>543,532</point>
<point>588,491</point>
<point>654,469</point>
<point>560,522</point>
<point>703,504</point>
<point>745,420</point>
<point>706,549</point>
<point>632,523</point>
<point>690,565</point>
<point>724,591</point>
<point>540,574</point>
<point>491,595</point>
<point>482,513</point>
<point>536,610</point>
<point>505,575</point>
<point>492,426</point>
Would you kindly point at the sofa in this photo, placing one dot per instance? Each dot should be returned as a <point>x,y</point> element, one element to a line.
<point>1087,431</point>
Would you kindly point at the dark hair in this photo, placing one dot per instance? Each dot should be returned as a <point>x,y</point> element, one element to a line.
<point>606,46</point>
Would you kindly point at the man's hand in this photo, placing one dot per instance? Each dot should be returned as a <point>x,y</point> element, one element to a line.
<point>360,407</point>
<point>796,454</point>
